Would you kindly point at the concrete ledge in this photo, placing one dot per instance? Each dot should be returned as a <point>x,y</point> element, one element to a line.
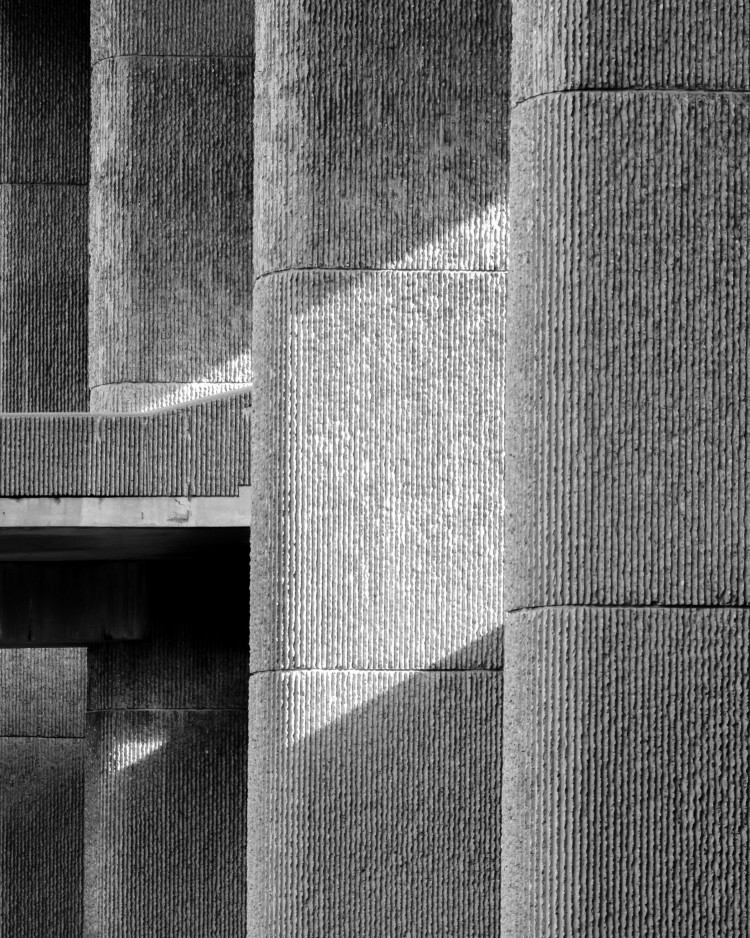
<point>227,511</point>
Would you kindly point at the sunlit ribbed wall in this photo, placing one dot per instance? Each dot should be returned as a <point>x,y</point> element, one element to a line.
<point>380,254</point>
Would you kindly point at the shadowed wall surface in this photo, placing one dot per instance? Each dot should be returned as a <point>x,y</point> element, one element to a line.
<point>625,789</point>
<point>42,700</point>
<point>44,138</point>
<point>171,202</point>
<point>166,763</point>
<point>380,190</point>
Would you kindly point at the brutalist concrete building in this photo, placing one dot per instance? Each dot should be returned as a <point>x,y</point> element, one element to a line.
<point>374,470</point>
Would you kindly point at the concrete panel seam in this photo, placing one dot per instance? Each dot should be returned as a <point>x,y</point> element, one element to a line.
<point>628,607</point>
<point>167,55</point>
<point>559,92</point>
<point>382,270</point>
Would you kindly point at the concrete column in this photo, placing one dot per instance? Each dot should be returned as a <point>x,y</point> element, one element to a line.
<point>42,699</point>
<point>381,161</point>
<point>626,805</point>
<point>44,134</point>
<point>171,201</point>
<point>166,764</point>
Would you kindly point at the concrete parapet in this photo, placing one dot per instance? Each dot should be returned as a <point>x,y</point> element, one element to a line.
<point>198,449</point>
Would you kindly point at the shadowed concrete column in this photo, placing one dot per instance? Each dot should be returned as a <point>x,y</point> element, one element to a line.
<point>42,699</point>
<point>166,764</point>
<point>377,441</point>
<point>171,201</point>
<point>626,802</point>
<point>44,142</point>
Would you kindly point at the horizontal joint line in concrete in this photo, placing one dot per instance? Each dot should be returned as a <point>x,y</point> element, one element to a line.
<point>383,270</point>
<point>171,55</point>
<point>44,185</point>
<point>376,671</point>
<point>560,92</point>
<point>632,607</point>
<point>170,710</point>
<point>27,736</point>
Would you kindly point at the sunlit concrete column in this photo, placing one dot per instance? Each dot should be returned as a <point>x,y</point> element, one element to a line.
<point>166,763</point>
<point>171,201</point>
<point>44,144</point>
<point>42,699</point>
<point>381,162</point>
<point>626,804</point>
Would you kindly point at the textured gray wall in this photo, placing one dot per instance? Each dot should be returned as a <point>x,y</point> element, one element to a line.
<point>195,449</point>
<point>44,133</point>
<point>42,700</point>
<point>380,191</point>
<point>625,806</point>
<point>166,764</point>
<point>171,202</point>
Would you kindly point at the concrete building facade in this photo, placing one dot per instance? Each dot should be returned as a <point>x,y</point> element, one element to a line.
<point>373,465</point>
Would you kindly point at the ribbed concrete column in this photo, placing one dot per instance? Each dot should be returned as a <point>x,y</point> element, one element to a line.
<point>626,802</point>
<point>42,699</point>
<point>171,201</point>
<point>44,133</point>
<point>377,485</point>
<point>166,765</point>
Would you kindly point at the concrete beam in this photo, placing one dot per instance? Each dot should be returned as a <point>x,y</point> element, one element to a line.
<point>142,512</point>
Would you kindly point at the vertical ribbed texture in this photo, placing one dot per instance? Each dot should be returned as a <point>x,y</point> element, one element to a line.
<point>626,802</point>
<point>44,92</point>
<point>562,45</point>
<point>166,764</point>
<point>629,351</point>
<point>41,837</point>
<point>42,691</point>
<point>374,804</point>
<point>42,700</point>
<point>43,298</point>
<point>626,753</point>
<point>163,27</point>
<point>382,134</point>
<point>165,824</point>
<point>377,485</point>
<point>380,248</point>
<point>171,203</point>
<point>201,449</point>
<point>44,137</point>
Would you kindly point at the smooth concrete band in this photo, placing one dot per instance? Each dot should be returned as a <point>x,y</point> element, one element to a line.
<point>171,204</point>
<point>44,103</point>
